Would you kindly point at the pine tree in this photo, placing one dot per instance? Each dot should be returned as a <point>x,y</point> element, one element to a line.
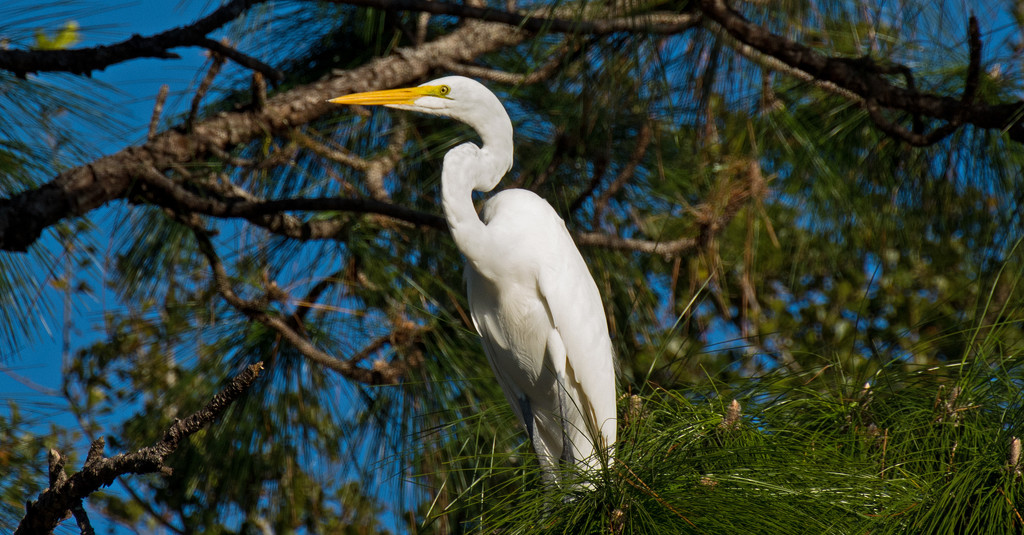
<point>804,219</point>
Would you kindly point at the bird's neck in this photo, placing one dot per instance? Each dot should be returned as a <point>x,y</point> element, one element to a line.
<point>496,153</point>
<point>469,168</point>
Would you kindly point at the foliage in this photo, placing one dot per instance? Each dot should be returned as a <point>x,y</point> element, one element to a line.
<point>24,441</point>
<point>859,298</point>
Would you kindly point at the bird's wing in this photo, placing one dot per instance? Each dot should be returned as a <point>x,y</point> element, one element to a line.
<point>483,307</point>
<point>577,314</point>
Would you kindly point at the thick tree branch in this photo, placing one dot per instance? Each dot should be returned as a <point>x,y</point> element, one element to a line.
<point>870,82</point>
<point>66,493</point>
<point>270,214</point>
<point>159,190</point>
<point>86,60</point>
<point>75,192</point>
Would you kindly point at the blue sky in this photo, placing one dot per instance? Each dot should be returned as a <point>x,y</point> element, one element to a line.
<point>130,90</point>
<point>31,376</point>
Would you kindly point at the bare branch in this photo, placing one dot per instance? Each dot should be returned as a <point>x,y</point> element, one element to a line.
<point>915,137</point>
<point>65,494</point>
<point>910,137</point>
<point>82,519</point>
<point>773,64</point>
<point>259,91</point>
<point>537,75</point>
<point>216,62</point>
<point>162,191</point>
<point>313,295</point>
<point>374,169</point>
<point>158,109</point>
<point>269,214</point>
<point>86,60</point>
<point>339,155</point>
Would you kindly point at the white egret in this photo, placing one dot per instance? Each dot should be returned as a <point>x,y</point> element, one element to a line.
<point>531,296</point>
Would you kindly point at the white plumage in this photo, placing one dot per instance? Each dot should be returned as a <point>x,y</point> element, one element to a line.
<point>531,296</point>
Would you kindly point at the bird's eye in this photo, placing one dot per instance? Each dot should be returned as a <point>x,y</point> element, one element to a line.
<point>444,90</point>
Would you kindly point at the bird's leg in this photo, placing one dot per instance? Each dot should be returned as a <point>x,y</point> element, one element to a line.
<point>567,453</point>
<point>527,412</point>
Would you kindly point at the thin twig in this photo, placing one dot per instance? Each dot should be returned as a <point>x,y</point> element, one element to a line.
<point>643,140</point>
<point>313,295</point>
<point>539,74</point>
<point>216,62</point>
<point>259,92</point>
<point>53,505</point>
<point>158,109</point>
<point>223,50</point>
<point>668,249</point>
<point>381,373</point>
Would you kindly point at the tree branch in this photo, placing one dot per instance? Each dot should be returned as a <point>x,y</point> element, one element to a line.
<point>667,249</point>
<point>161,191</point>
<point>216,63</point>
<point>650,23</point>
<point>270,215</point>
<point>86,60</point>
<point>380,374</point>
<point>626,174</point>
<point>869,83</point>
<point>65,493</point>
<point>915,137</point>
<point>75,192</point>
<point>248,62</point>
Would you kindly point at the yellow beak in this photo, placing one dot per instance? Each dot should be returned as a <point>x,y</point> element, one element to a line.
<point>406,96</point>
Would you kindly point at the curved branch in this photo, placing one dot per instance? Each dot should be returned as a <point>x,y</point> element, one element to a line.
<point>86,60</point>
<point>388,373</point>
<point>66,493</point>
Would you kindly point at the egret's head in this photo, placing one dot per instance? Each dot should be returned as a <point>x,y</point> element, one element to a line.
<point>461,99</point>
<point>432,97</point>
<point>457,97</point>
